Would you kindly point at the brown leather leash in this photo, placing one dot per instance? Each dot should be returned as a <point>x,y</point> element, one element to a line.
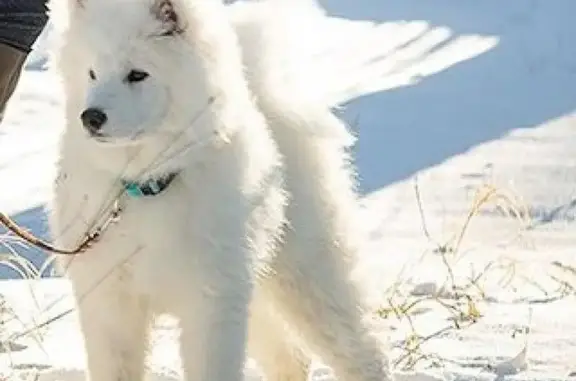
<point>86,243</point>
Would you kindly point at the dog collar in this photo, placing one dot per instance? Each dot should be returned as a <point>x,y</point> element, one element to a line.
<point>152,187</point>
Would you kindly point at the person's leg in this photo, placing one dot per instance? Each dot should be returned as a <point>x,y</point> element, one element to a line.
<point>21,22</point>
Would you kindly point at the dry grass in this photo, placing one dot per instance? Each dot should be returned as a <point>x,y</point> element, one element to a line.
<point>462,301</point>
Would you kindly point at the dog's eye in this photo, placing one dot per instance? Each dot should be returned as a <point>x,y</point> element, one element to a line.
<point>136,76</point>
<point>92,74</point>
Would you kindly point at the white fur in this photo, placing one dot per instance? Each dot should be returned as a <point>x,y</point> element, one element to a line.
<point>213,249</point>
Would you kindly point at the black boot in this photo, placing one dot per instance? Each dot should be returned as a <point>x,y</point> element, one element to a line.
<point>11,62</point>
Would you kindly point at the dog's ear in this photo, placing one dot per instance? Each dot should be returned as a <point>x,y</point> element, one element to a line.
<point>165,12</point>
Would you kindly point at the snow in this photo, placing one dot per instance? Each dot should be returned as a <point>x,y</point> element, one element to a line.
<point>454,102</point>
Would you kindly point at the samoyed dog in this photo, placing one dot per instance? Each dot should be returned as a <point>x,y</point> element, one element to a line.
<point>214,201</point>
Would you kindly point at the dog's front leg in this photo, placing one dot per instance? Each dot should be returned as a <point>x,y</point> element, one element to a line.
<point>214,313</point>
<point>214,328</point>
<point>114,323</point>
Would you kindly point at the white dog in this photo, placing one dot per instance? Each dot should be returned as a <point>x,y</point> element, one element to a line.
<point>232,216</point>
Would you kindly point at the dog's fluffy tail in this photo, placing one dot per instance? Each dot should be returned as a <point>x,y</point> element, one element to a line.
<point>323,59</point>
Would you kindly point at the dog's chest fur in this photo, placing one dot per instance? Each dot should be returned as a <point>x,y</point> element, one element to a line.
<point>153,238</point>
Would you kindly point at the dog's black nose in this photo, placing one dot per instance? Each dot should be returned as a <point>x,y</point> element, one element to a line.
<point>93,119</point>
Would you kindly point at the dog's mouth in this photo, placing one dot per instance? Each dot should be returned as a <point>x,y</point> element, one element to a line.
<point>97,136</point>
<point>103,139</point>
<point>110,140</point>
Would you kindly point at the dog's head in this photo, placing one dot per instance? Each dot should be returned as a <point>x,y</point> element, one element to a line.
<point>139,73</point>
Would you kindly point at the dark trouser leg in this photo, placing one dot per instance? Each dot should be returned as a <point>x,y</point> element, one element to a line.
<point>11,62</point>
<point>21,22</point>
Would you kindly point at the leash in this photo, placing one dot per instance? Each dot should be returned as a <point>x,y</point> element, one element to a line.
<point>86,243</point>
<point>149,188</point>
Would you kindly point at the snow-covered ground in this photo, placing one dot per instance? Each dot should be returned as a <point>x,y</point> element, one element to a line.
<point>464,101</point>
